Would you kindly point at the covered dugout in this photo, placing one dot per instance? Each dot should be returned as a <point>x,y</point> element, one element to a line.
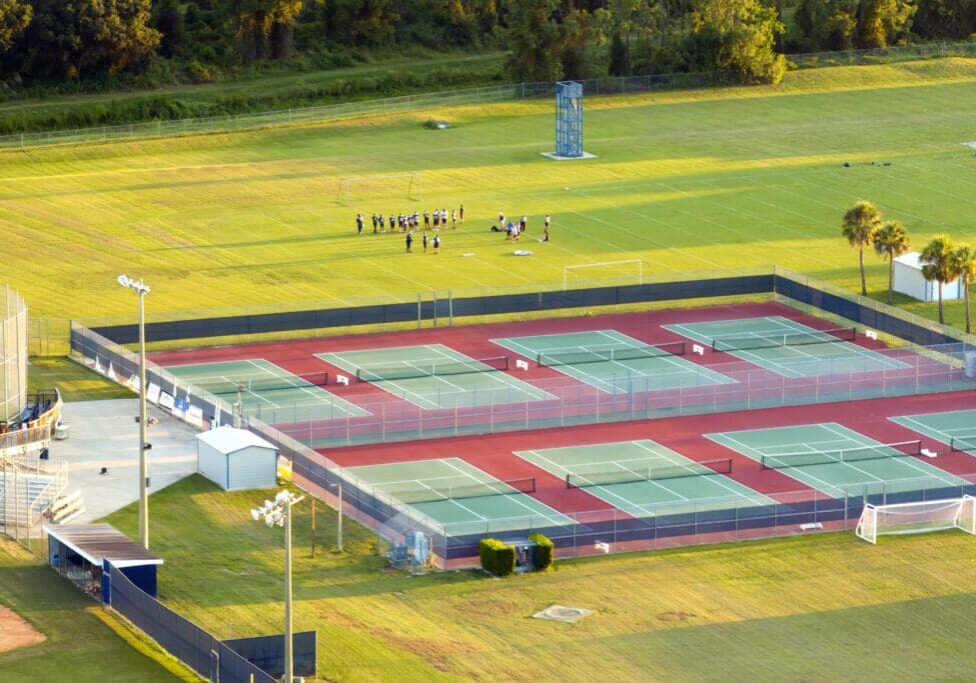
<point>236,459</point>
<point>909,280</point>
<point>80,554</point>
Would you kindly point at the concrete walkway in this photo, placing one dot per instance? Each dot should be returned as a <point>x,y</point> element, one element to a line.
<point>105,434</point>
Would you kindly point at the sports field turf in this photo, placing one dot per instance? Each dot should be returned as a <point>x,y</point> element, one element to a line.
<point>684,181</point>
<point>825,607</point>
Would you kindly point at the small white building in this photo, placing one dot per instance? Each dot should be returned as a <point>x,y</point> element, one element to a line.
<point>236,459</point>
<point>909,280</point>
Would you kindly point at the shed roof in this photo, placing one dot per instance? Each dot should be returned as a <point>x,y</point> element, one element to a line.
<point>912,259</point>
<point>98,542</point>
<point>227,439</point>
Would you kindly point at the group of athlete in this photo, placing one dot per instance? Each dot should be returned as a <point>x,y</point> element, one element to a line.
<point>433,220</point>
<point>515,229</point>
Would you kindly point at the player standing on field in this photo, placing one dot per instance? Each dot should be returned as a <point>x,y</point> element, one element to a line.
<point>359,223</point>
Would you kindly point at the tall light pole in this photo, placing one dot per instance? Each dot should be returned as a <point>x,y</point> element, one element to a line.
<point>278,513</point>
<point>142,289</point>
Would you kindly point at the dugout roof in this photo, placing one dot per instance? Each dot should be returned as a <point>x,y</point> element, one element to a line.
<point>98,542</point>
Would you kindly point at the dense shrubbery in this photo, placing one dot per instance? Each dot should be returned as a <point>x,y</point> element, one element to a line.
<point>496,557</point>
<point>544,549</point>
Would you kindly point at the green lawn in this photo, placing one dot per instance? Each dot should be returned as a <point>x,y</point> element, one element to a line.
<point>686,181</point>
<point>825,607</point>
<point>76,382</point>
<point>84,642</point>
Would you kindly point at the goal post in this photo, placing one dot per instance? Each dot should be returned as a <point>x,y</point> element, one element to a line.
<point>917,518</point>
<point>398,186</point>
<point>604,271</point>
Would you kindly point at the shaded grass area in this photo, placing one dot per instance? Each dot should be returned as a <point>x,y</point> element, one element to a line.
<point>254,91</point>
<point>84,642</point>
<point>75,381</point>
<point>821,607</point>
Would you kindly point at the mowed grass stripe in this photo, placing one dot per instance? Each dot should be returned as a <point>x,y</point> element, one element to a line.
<point>686,181</point>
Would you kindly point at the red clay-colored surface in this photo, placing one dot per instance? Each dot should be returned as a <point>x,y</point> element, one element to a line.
<point>493,453</point>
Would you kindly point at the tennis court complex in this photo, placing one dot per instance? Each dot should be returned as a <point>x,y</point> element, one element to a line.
<point>613,362</point>
<point>267,390</point>
<point>434,376</point>
<point>451,491</point>
<point>787,347</point>
<point>836,460</point>
<point>638,476</point>
<point>956,428</point>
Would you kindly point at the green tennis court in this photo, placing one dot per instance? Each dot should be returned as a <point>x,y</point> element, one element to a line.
<point>643,477</point>
<point>435,376</point>
<point>787,347</point>
<point>955,428</point>
<point>269,392</point>
<point>836,460</point>
<point>452,491</point>
<point>613,362</point>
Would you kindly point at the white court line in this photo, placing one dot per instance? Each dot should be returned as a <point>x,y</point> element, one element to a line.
<point>719,480</point>
<point>749,451</point>
<point>915,465</point>
<point>517,501</point>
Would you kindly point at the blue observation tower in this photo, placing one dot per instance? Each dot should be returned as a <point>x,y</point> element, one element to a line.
<point>569,120</point>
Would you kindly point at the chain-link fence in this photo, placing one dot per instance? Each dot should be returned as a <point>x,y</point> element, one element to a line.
<point>882,55</point>
<point>389,105</point>
<point>13,356</point>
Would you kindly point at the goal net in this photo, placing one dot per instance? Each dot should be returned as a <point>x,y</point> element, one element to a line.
<point>370,188</point>
<point>917,518</point>
<point>630,271</point>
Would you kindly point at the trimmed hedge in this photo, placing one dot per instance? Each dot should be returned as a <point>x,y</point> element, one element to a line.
<point>544,549</point>
<point>496,557</point>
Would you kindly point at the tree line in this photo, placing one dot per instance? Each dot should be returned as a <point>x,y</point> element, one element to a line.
<point>942,260</point>
<point>87,40</point>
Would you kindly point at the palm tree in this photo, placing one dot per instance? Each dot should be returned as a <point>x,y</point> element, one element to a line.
<point>860,223</point>
<point>939,264</point>
<point>965,267</point>
<point>890,242</point>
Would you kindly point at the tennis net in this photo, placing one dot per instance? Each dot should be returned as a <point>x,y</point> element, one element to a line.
<point>858,453</point>
<point>627,475</point>
<point>419,492</point>
<point>405,370</point>
<point>963,443</point>
<point>223,386</point>
<point>576,357</point>
<point>765,341</point>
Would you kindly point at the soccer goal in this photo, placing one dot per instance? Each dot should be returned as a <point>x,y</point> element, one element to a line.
<point>917,518</point>
<point>362,188</point>
<point>630,271</point>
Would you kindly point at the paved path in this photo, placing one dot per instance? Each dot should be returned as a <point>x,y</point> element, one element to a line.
<point>105,434</point>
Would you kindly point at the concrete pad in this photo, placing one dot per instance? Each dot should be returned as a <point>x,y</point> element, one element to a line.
<point>105,434</point>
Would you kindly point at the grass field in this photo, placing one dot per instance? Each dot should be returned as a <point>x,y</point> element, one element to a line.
<point>819,608</point>
<point>686,181</point>
<point>84,642</point>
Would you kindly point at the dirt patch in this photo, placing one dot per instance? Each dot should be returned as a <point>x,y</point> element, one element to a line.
<point>15,632</point>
